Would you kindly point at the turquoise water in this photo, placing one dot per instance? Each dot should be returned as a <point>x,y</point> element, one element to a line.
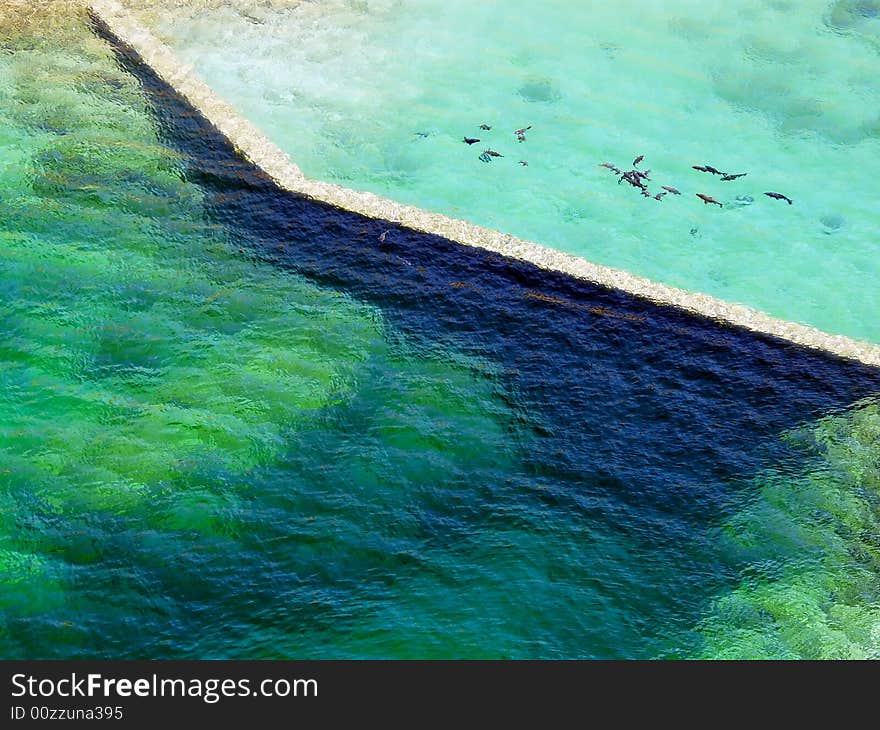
<point>208,451</point>
<point>378,94</point>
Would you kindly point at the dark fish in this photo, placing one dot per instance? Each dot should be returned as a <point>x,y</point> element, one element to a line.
<point>638,160</point>
<point>521,137</point>
<point>734,177</point>
<point>707,168</point>
<point>523,130</point>
<point>779,196</point>
<point>470,140</point>
<point>485,127</point>
<point>492,153</point>
<point>633,179</point>
<point>607,164</point>
<point>709,199</point>
<point>523,163</point>
<point>382,237</point>
<point>658,196</point>
<point>671,190</point>
<point>642,173</point>
<point>485,158</point>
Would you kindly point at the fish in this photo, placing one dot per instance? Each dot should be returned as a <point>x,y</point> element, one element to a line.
<point>470,140</point>
<point>709,199</point>
<point>485,127</point>
<point>672,190</point>
<point>707,168</point>
<point>383,235</point>
<point>492,153</point>
<point>523,130</point>
<point>523,163</point>
<point>734,177</point>
<point>779,196</point>
<point>485,158</point>
<point>632,178</point>
<point>638,160</point>
<point>659,196</point>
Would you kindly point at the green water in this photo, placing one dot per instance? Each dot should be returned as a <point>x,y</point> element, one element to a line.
<point>202,455</point>
<point>149,371</point>
<point>812,588</point>
<point>377,95</point>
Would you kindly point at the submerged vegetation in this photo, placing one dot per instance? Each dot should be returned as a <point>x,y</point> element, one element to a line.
<point>811,544</point>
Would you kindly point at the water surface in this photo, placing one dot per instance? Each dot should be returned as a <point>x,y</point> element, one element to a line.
<point>377,95</point>
<point>236,424</point>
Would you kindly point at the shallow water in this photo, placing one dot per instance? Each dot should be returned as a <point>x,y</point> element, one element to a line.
<point>233,425</point>
<point>378,94</point>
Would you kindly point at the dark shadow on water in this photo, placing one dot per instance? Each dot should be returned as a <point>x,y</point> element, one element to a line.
<point>667,414</point>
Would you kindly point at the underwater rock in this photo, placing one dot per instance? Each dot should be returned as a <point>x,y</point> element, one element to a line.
<point>795,113</point>
<point>539,90</point>
<point>858,17</point>
<point>832,223</point>
<point>847,14</point>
